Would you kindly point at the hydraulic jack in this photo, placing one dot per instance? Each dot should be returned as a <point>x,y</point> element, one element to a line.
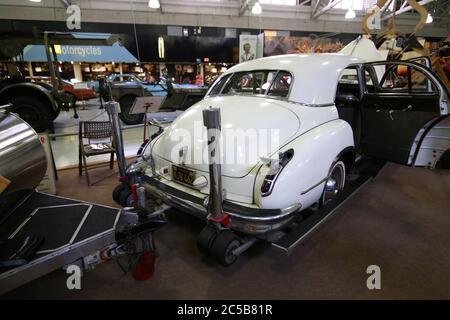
<point>216,239</point>
<point>143,215</point>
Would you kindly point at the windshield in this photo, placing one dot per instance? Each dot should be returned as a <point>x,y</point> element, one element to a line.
<point>265,82</point>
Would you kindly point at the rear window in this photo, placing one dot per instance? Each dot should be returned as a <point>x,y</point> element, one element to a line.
<point>264,82</point>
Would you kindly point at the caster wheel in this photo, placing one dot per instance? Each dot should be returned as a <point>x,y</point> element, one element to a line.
<point>125,198</point>
<point>116,193</point>
<point>223,246</point>
<point>206,238</point>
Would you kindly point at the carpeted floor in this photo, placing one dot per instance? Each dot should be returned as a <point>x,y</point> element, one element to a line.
<point>400,222</point>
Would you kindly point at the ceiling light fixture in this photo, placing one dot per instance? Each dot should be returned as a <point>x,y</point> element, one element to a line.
<point>256,9</point>
<point>429,18</point>
<point>35,0</point>
<point>154,4</point>
<point>350,14</point>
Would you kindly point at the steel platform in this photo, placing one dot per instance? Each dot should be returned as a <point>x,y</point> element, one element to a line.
<point>71,230</point>
<point>311,219</point>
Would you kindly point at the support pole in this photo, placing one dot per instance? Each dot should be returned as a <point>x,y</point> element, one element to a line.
<point>30,68</point>
<point>404,9</point>
<point>211,120</point>
<point>326,8</point>
<point>51,66</point>
<point>113,109</point>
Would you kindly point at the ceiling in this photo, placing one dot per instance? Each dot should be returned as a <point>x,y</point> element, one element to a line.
<point>308,15</point>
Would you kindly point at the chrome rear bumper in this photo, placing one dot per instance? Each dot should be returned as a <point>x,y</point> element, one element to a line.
<point>244,219</point>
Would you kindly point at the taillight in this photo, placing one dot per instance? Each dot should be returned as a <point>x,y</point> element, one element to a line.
<point>276,166</point>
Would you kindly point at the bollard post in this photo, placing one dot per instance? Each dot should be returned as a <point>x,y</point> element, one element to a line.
<point>211,120</point>
<point>113,109</point>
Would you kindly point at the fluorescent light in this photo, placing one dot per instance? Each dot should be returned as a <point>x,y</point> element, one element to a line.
<point>154,4</point>
<point>429,18</point>
<point>256,9</point>
<point>350,14</point>
<point>35,0</point>
<point>161,52</point>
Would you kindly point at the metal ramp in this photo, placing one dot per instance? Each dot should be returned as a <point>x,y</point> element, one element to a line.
<point>71,230</point>
<point>311,219</point>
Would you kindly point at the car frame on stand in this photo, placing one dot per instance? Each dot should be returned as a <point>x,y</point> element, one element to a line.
<point>328,110</point>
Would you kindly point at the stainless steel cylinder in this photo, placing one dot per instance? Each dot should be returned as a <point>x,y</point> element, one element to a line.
<point>211,120</point>
<point>22,159</point>
<point>113,109</point>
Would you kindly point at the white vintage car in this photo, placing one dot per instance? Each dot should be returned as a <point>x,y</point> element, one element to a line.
<point>308,115</point>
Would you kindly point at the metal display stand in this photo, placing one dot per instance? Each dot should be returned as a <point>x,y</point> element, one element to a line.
<point>72,231</point>
<point>145,105</point>
<point>68,237</point>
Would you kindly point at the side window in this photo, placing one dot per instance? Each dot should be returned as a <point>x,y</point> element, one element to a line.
<point>272,83</point>
<point>370,87</point>
<point>349,76</point>
<point>404,78</point>
<point>217,87</point>
<point>281,85</point>
<point>348,84</point>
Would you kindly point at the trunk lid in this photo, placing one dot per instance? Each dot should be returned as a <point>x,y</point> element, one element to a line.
<point>251,127</point>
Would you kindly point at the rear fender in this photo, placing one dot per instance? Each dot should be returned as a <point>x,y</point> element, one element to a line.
<point>434,142</point>
<point>303,178</point>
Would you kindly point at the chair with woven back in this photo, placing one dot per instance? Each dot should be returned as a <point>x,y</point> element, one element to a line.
<point>99,141</point>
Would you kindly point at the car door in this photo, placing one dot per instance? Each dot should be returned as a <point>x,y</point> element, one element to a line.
<point>396,104</point>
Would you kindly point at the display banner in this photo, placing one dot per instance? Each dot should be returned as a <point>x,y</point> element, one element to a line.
<point>248,45</point>
<point>275,45</point>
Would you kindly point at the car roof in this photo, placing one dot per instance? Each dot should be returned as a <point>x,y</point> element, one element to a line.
<point>315,75</point>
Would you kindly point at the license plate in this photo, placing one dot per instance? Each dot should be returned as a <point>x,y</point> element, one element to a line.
<point>183,175</point>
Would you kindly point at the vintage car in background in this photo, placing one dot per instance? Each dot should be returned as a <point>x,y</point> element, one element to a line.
<point>79,92</point>
<point>328,109</point>
<point>126,87</point>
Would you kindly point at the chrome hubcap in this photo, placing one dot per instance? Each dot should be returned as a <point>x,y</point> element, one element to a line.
<point>334,184</point>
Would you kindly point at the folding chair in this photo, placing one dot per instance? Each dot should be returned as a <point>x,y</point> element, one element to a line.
<point>96,132</point>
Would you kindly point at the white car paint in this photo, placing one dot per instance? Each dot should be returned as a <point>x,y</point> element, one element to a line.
<point>308,122</point>
<point>250,110</point>
<point>365,49</point>
<point>315,75</point>
<point>434,144</point>
<point>303,179</point>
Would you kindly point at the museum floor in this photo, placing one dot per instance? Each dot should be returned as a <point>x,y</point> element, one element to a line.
<point>65,145</point>
<point>400,222</point>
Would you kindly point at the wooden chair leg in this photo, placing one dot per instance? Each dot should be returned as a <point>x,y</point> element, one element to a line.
<point>86,169</point>
<point>111,161</point>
